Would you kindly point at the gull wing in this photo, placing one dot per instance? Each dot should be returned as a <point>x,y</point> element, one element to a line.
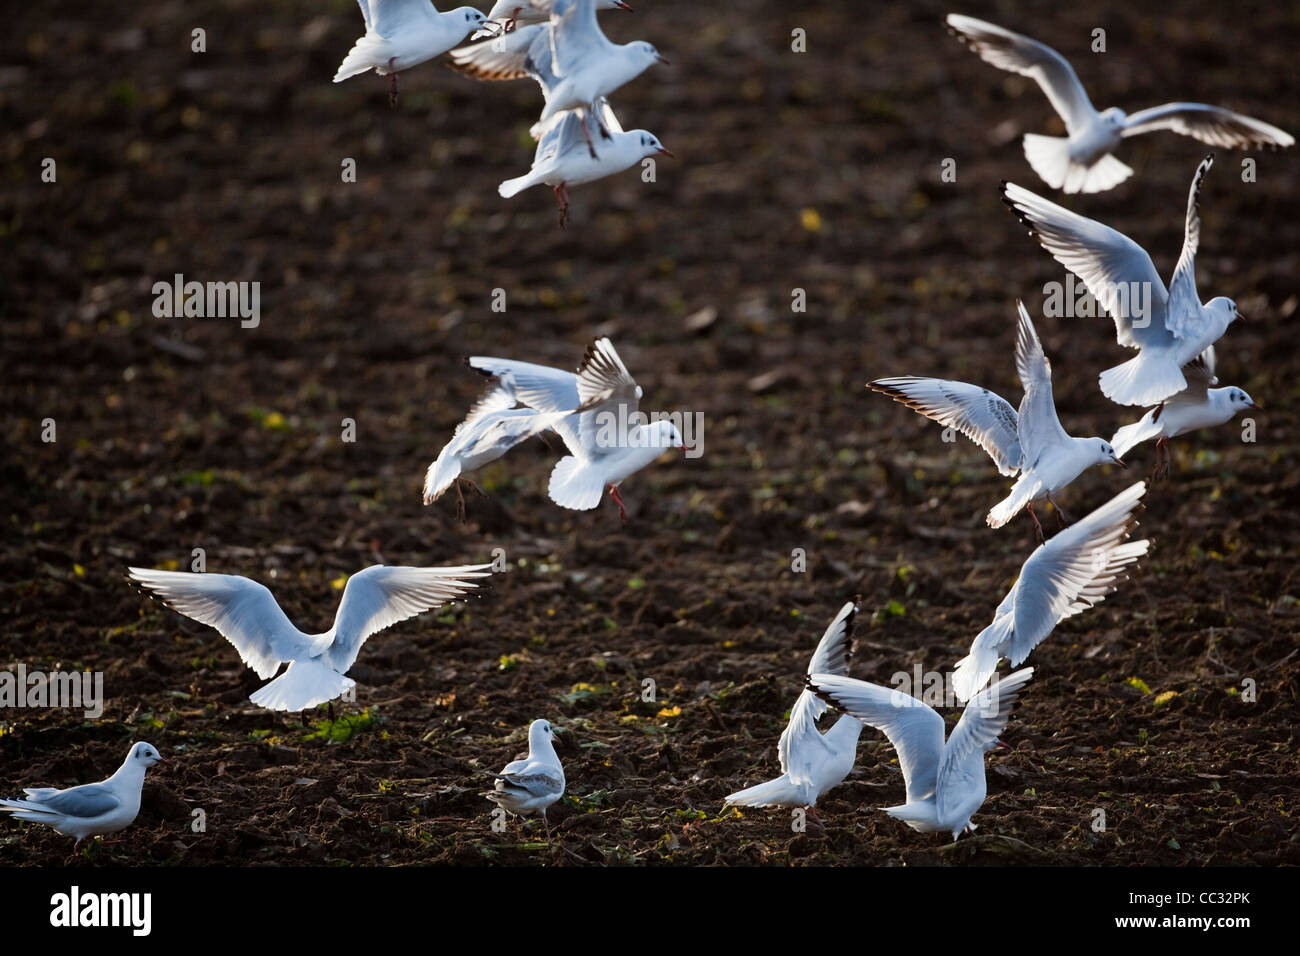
<point>794,749</point>
<point>1210,124</point>
<point>986,716</point>
<point>982,416</point>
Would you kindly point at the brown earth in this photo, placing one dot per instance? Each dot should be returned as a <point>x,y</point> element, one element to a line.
<point>817,171</point>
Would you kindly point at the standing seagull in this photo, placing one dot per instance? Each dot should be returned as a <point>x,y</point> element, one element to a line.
<point>401,34</point>
<point>945,781</point>
<point>1169,327</point>
<point>1081,161</point>
<point>607,442</point>
<point>92,808</point>
<point>1067,575</point>
<point>246,614</point>
<point>812,762</point>
<point>562,158</point>
<point>534,783</point>
<point>1032,442</point>
<point>1196,406</point>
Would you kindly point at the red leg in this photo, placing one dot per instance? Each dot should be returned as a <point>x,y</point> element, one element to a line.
<point>460,502</point>
<point>613,493</point>
<point>587,134</point>
<point>562,200</point>
<point>1061,519</point>
<point>1161,470</point>
<point>392,84</point>
<point>1041,537</point>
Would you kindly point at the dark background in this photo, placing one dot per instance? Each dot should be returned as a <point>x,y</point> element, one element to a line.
<point>818,171</point>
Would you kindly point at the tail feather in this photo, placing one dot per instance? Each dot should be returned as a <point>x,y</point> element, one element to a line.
<point>576,485</point>
<point>1143,380</point>
<point>303,686</point>
<point>1130,436</point>
<point>1050,158</point>
<point>364,55</point>
<point>774,793</point>
<point>973,671</point>
<point>517,185</point>
<point>440,476</point>
<point>1022,493</point>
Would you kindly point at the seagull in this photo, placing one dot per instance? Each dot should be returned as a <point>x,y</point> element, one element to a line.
<point>493,426</point>
<point>1069,574</point>
<point>609,441</point>
<point>534,783</point>
<point>812,762</point>
<point>1196,406</point>
<point>945,781</point>
<point>1168,327</point>
<point>1082,161</point>
<point>511,13</point>
<point>93,808</point>
<point>246,614</point>
<point>401,34</point>
<point>1032,443</point>
<point>563,160</point>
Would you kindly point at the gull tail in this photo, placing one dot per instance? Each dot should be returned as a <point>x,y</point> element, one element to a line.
<point>1050,158</point>
<point>1144,380</point>
<point>365,53</point>
<point>1022,493</point>
<point>973,671</point>
<point>28,810</point>
<point>303,686</point>
<point>439,477</point>
<point>1145,429</point>
<point>517,185</point>
<point>774,793</point>
<point>919,816</point>
<point>575,485</point>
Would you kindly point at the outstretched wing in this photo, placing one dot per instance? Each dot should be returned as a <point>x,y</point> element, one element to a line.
<point>576,37</point>
<point>380,596</point>
<point>1040,427</point>
<point>1209,124</point>
<point>610,394</point>
<point>801,736</point>
<point>1020,54</point>
<point>986,716</point>
<point>1184,303</point>
<point>243,611</point>
<point>504,57</point>
<point>982,416</point>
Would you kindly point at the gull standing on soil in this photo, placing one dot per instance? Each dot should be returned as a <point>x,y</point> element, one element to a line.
<point>812,762</point>
<point>401,34</point>
<point>563,160</point>
<point>945,781</point>
<point>1082,160</point>
<point>1069,574</point>
<point>1169,327</point>
<point>246,614</point>
<point>1196,406</point>
<point>1032,443</point>
<point>93,808</point>
<point>606,442</point>
<point>534,783</point>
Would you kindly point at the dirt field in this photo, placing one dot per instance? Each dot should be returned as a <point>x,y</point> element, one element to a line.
<point>817,171</point>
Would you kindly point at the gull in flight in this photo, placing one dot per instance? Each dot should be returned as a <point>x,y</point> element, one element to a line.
<point>1082,160</point>
<point>571,59</point>
<point>246,614</point>
<point>1068,574</point>
<point>945,781</point>
<point>511,13</point>
<point>93,808</point>
<point>1168,327</point>
<point>401,34</point>
<point>563,160</point>
<point>534,783</point>
<point>1196,406</point>
<point>812,762</point>
<point>608,441</point>
<point>1031,443</point>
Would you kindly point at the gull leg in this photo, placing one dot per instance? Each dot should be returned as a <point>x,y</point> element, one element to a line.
<point>330,705</point>
<point>600,125</point>
<point>613,493</point>
<point>812,815</point>
<point>392,84</point>
<point>460,502</point>
<point>1061,519</point>
<point>1041,538</point>
<point>513,22</point>
<point>587,134</point>
<point>1160,471</point>
<point>562,200</point>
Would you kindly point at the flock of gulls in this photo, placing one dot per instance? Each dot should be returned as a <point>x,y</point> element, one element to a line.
<point>559,44</point>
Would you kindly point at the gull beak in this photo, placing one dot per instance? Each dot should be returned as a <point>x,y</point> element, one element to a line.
<point>1240,316</point>
<point>1119,462</point>
<point>683,451</point>
<point>1257,406</point>
<point>662,59</point>
<point>623,6</point>
<point>667,152</point>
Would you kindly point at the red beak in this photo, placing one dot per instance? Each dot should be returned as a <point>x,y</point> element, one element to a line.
<point>623,6</point>
<point>667,152</point>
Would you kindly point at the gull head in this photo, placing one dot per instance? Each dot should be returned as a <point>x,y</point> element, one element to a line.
<point>473,18</point>
<point>1106,453</point>
<point>540,730</point>
<point>648,53</point>
<point>1224,309</point>
<point>144,754</point>
<point>650,144</point>
<point>1237,398</point>
<point>664,434</point>
<point>1114,118</point>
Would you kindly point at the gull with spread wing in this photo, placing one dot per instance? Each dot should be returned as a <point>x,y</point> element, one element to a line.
<point>1081,161</point>
<point>401,34</point>
<point>562,159</point>
<point>1168,327</point>
<point>534,783</point>
<point>812,762</point>
<point>945,781</point>
<point>1196,406</point>
<point>1030,443</point>
<point>1064,576</point>
<point>92,808</point>
<point>246,614</point>
<point>607,441</point>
